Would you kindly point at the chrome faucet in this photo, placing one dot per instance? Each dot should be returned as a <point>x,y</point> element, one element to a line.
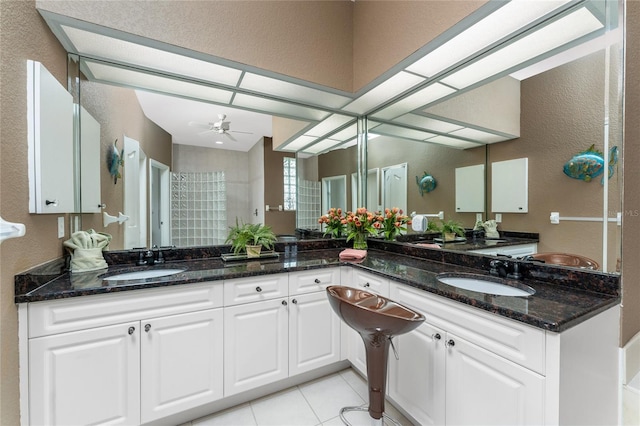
<point>151,256</point>
<point>505,269</point>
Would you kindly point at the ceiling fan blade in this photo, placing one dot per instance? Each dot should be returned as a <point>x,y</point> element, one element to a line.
<point>230,137</point>
<point>238,131</point>
<point>199,125</point>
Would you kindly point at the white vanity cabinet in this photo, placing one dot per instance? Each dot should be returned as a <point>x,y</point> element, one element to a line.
<point>123,358</point>
<point>464,366</point>
<point>86,377</point>
<point>292,328</point>
<point>314,328</point>
<point>461,381</point>
<point>181,364</point>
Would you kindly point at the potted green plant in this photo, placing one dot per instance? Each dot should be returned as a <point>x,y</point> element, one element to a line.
<point>451,228</point>
<point>250,238</point>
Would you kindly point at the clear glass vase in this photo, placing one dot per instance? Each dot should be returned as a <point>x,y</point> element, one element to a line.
<point>360,241</point>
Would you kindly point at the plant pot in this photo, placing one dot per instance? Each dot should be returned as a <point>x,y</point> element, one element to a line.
<point>449,236</point>
<point>253,251</point>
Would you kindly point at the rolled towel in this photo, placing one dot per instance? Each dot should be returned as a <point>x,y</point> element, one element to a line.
<point>86,248</point>
<point>352,254</point>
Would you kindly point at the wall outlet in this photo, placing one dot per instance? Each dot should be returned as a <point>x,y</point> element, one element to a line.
<point>498,217</point>
<point>61,227</point>
<point>478,217</point>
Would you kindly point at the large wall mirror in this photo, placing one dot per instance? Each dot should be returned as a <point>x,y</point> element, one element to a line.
<point>549,110</point>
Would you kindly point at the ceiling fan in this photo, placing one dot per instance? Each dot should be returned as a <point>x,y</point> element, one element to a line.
<point>221,127</point>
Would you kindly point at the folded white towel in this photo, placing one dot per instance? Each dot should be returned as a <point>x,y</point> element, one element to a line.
<point>86,250</point>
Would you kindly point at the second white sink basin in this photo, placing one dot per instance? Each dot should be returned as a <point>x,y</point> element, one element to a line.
<point>484,284</point>
<point>141,275</point>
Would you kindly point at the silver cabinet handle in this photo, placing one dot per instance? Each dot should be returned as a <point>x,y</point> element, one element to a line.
<point>147,327</point>
<point>317,281</point>
<point>258,289</point>
<point>284,303</point>
<point>131,330</point>
<point>50,202</point>
<point>294,301</point>
<point>436,336</point>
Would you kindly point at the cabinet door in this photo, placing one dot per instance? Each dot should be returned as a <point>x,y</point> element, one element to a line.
<point>255,345</point>
<point>484,388</point>
<point>86,377</point>
<point>417,378</point>
<point>314,333</point>
<point>181,362</point>
<point>50,138</point>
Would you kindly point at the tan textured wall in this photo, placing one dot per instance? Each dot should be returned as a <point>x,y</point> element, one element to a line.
<point>119,114</point>
<point>386,32</point>
<point>311,40</point>
<point>24,36</point>
<point>631,201</point>
<point>562,114</point>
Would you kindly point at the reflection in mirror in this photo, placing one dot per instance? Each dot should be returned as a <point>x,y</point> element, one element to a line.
<point>560,115</point>
<point>441,162</point>
<point>394,186</point>
<point>334,192</point>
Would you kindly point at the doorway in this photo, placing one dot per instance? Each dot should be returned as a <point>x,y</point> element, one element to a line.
<point>394,190</point>
<point>135,194</point>
<point>159,182</point>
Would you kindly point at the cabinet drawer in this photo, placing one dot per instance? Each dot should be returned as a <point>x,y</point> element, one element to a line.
<point>371,282</point>
<point>518,342</point>
<point>255,289</point>
<point>77,313</point>
<point>314,280</point>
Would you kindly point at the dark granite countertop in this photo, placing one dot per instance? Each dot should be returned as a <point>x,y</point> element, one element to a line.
<point>562,299</point>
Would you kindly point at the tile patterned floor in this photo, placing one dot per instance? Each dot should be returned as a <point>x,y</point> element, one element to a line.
<point>315,403</point>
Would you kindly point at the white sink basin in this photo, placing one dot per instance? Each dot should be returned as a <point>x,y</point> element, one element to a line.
<point>482,284</point>
<point>141,275</point>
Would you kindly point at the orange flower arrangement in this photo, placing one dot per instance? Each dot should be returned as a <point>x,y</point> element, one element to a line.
<point>335,222</point>
<point>395,222</point>
<point>360,225</point>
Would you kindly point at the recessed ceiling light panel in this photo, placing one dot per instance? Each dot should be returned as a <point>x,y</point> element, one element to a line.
<point>383,92</point>
<point>157,83</point>
<point>100,46</point>
<point>295,92</point>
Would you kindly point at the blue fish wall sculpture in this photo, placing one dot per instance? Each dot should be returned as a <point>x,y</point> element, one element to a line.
<point>426,183</point>
<point>590,163</point>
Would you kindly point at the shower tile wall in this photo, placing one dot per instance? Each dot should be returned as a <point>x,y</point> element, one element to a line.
<point>308,204</point>
<point>198,208</point>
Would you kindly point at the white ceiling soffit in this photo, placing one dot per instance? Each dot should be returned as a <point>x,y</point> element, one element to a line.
<point>497,39</point>
<point>186,121</point>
